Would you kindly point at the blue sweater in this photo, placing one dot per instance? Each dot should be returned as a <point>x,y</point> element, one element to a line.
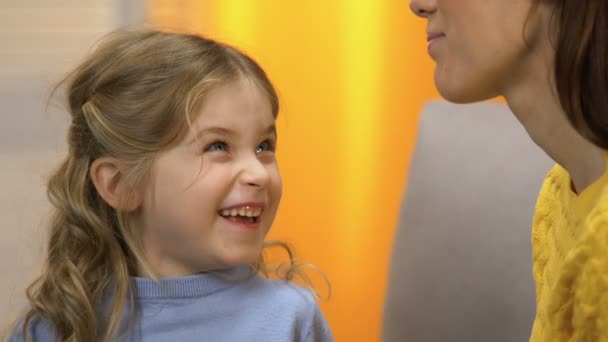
<point>225,306</point>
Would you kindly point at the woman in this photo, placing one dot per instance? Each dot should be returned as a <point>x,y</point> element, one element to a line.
<point>549,59</point>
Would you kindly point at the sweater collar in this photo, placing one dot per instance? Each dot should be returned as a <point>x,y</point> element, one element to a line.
<point>197,285</point>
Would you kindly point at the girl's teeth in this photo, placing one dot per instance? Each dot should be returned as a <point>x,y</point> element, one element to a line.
<point>246,212</point>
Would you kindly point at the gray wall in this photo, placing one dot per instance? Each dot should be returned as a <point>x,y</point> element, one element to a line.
<point>461,266</point>
<point>41,40</point>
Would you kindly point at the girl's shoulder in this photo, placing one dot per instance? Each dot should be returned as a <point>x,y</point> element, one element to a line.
<point>295,303</point>
<point>38,330</point>
<point>284,292</point>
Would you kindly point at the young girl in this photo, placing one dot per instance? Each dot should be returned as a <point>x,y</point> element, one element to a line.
<point>164,201</point>
<point>549,59</point>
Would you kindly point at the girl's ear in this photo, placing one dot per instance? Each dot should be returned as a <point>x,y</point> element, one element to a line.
<point>108,177</point>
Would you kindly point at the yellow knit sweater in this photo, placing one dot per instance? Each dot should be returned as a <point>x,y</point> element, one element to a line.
<point>570,252</point>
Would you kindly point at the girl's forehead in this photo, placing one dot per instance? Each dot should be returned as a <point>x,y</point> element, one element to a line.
<point>236,99</point>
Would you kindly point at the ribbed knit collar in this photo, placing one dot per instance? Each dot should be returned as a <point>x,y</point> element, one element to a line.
<point>583,203</point>
<point>198,285</point>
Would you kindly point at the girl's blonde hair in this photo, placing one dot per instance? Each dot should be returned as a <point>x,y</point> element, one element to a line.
<point>134,96</point>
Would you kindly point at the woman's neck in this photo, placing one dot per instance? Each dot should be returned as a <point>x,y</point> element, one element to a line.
<point>538,108</point>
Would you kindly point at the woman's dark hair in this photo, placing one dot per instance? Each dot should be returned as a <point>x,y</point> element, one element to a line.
<point>581,65</point>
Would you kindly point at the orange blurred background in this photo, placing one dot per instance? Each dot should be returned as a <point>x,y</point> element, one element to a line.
<point>352,77</point>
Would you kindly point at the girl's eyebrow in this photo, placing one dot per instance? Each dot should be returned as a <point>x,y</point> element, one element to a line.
<point>271,130</point>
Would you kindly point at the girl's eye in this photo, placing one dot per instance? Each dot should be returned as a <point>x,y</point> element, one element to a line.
<point>266,146</point>
<point>218,146</point>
